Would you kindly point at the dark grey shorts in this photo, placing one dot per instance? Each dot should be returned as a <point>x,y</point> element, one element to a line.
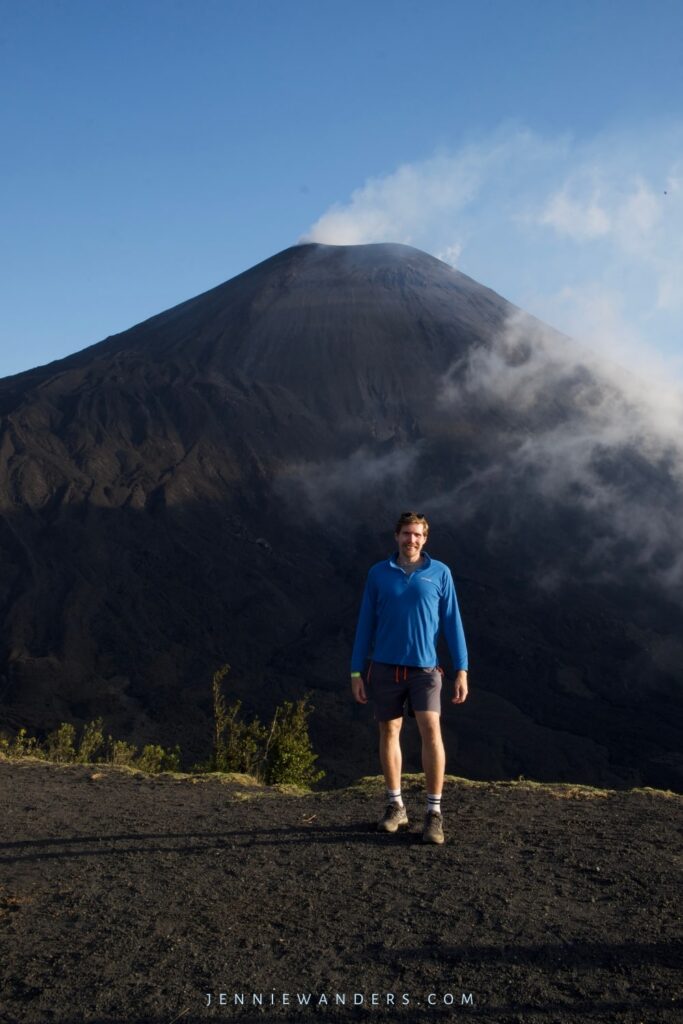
<point>389,687</point>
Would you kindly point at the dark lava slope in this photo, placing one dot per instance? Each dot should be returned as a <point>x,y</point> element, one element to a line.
<point>213,484</point>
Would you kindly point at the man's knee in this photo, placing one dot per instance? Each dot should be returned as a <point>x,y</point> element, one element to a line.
<point>390,729</point>
<point>429,724</point>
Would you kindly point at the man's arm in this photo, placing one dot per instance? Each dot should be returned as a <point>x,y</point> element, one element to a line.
<point>451,623</point>
<point>460,687</point>
<point>365,632</point>
<point>358,689</point>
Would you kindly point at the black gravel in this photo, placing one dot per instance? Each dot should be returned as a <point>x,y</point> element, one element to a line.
<point>126,898</point>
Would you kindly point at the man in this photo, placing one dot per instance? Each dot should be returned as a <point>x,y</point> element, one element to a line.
<point>408,600</point>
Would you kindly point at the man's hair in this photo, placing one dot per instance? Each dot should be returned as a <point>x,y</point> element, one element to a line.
<point>408,518</point>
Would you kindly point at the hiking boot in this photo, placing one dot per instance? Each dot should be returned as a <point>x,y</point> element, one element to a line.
<point>433,830</point>
<point>394,817</point>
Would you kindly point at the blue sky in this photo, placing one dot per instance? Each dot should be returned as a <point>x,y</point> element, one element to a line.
<point>151,150</point>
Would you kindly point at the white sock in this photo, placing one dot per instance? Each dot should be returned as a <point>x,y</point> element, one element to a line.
<point>434,802</point>
<point>394,797</point>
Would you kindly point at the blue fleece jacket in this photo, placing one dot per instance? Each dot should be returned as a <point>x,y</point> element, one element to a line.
<point>402,614</point>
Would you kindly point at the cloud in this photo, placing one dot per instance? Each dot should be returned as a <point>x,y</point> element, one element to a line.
<point>579,219</point>
<point>629,211</point>
<point>451,254</point>
<point>580,433</point>
<point>544,221</point>
<point>329,491</point>
<point>599,317</point>
<point>638,226</point>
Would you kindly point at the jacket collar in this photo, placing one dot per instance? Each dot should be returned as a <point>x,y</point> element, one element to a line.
<point>393,561</point>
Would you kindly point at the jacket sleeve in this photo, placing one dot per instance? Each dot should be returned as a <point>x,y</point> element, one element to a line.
<point>365,630</point>
<point>451,624</point>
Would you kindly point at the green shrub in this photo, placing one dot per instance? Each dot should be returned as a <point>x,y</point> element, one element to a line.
<point>237,745</point>
<point>25,745</point>
<point>92,741</point>
<point>289,756</point>
<point>155,759</point>
<point>281,754</point>
<point>120,752</point>
<point>61,743</point>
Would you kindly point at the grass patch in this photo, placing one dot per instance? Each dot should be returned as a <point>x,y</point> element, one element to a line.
<point>374,784</point>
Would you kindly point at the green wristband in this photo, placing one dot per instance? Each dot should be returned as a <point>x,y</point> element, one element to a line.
<point>355,675</point>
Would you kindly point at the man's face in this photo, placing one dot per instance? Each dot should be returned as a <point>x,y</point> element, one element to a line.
<point>410,540</point>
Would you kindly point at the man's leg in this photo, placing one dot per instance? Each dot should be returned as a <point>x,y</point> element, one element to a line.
<point>434,765</point>
<point>433,753</point>
<point>390,751</point>
<point>395,815</point>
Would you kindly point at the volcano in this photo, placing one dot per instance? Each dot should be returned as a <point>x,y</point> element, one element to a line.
<point>212,485</point>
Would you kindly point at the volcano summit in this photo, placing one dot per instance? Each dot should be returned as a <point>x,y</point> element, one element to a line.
<point>211,486</point>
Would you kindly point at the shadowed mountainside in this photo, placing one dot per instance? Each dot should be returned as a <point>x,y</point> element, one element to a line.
<point>213,484</point>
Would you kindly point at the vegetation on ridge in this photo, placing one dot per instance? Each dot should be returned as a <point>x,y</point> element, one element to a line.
<point>62,746</point>
<point>281,754</point>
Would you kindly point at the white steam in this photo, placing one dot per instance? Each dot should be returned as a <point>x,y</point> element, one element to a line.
<point>399,207</point>
<point>580,432</point>
<point>328,491</point>
<point>425,203</point>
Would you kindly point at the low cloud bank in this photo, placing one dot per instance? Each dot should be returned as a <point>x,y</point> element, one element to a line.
<point>339,488</point>
<point>582,433</point>
<point>570,461</point>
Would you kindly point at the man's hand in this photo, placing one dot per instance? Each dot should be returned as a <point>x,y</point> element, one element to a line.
<point>460,688</point>
<point>358,690</point>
